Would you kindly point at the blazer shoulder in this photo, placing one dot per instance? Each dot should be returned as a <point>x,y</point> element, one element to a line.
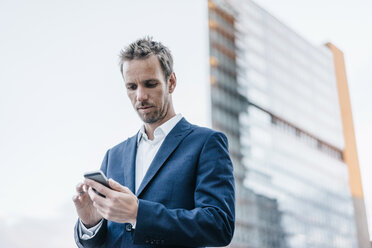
<point>205,130</point>
<point>119,147</point>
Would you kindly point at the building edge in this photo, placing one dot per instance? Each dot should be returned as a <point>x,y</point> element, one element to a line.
<point>350,153</point>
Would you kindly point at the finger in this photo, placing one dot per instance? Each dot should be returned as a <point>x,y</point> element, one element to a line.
<point>97,199</point>
<point>99,187</point>
<point>77,200</point>
<point>101,212</point>
<point>99,207</point>
<point>118,187</point>
<point>79,188</point>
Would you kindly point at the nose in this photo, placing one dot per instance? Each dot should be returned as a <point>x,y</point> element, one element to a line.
<point>141,94</point>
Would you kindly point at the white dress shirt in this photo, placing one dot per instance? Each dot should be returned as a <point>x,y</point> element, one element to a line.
<point>146,151</point>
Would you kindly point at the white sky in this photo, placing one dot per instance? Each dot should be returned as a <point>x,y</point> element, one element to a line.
<point>63,103</point>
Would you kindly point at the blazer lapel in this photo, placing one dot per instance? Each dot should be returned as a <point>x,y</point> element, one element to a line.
<point>129,162</point>
<point>173,139</point>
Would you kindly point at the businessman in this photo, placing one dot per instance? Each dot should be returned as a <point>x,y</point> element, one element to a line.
<point>171,184</point>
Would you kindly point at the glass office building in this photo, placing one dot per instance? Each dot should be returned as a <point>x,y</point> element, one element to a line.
<point>275,95</point>
<point>258,218</point>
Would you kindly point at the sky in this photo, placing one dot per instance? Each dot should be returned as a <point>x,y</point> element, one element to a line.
<point>63,102</point>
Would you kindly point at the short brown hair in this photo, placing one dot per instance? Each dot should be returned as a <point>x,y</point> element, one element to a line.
<point>144,48</point>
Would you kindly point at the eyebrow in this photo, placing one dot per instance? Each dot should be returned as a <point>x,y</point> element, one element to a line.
<point>145,81</point>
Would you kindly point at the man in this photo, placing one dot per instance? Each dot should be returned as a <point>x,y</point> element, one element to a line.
<point>171,184</point>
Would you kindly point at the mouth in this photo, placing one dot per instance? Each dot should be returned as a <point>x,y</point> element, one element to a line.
<point>145,109</point>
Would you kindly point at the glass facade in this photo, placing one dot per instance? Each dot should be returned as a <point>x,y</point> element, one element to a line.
<point>275,96</point>
<point>258,217</point>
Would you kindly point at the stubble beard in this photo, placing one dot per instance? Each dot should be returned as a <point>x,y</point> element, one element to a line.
<point>155,116</point>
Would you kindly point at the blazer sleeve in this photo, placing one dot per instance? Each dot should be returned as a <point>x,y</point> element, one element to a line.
<point>211,222</point>
<point>99,239</point>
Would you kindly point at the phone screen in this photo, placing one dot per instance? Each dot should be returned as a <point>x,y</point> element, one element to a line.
<point>99,177</point>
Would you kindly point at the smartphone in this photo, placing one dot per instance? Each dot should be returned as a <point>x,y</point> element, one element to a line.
<point>99,177</point>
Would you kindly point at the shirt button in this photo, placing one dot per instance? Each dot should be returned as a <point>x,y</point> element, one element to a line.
<point>128,227</point>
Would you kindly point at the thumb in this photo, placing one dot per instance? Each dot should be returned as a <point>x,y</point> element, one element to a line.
<point>117,186</point>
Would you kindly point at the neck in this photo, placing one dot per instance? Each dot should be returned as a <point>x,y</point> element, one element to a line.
<point>150,127</point>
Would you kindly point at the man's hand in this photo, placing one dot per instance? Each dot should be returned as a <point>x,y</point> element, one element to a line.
<point>120,204</point>
<point>87,213</point>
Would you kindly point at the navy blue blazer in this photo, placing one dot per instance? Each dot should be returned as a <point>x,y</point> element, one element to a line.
<point>186,198</point>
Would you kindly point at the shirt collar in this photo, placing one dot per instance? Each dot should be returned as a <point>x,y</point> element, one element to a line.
<point>162,130</point>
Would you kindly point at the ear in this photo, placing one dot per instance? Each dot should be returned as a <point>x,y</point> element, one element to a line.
<point>172,82</point>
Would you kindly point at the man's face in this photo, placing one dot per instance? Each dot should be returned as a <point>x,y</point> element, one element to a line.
<point>147,89</point>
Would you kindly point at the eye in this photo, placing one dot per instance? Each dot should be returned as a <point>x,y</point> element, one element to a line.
<point>131,86</point>
<point>151,84</point>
